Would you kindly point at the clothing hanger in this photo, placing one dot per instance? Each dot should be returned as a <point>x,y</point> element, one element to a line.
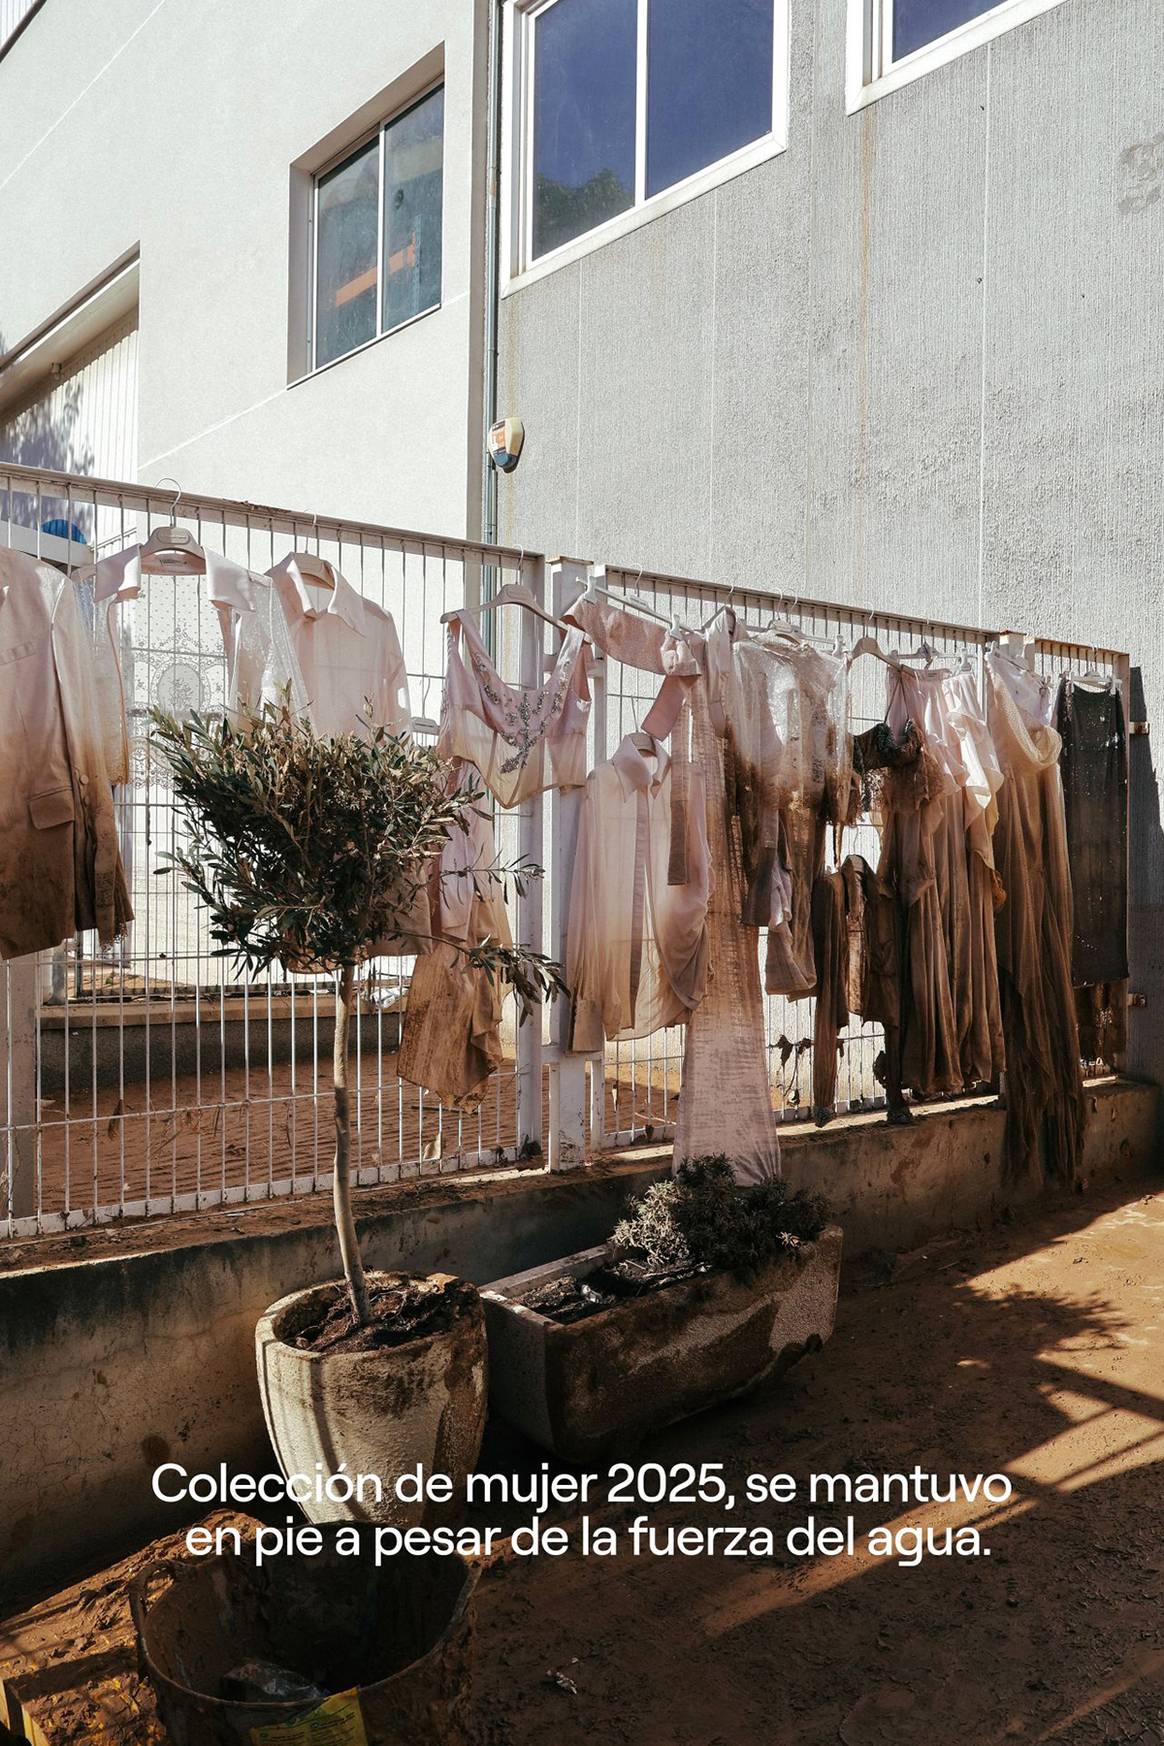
<point>1015,647</point>
<point>311,565</point>
<point>171,538</point>
<point>1095,675</point>
<point>423,723</point>
<point>594,588</point>
<point>923,652</point>
<point>509,594</point>
<point>724,606</point>
<point>781,625</point>
<point>641,741</point>
<point>867,644</point>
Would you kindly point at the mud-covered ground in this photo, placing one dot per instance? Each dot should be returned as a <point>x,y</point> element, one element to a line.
<point>1036,1350</point>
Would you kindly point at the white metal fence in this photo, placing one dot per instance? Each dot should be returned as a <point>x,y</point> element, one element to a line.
<point>155,1077</point>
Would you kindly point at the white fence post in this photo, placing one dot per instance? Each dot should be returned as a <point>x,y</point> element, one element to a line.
<point>568,1071</point>
<point>18,993</point>
<point>529,909</point>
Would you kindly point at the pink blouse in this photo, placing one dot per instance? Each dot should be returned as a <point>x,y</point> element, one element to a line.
<point>508,731</point>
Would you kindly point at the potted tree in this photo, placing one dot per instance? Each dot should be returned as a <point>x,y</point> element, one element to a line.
<point>315,854</point>
<point>704,1291</point>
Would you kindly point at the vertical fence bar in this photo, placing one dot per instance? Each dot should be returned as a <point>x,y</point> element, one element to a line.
<point>18,1050</point>
<point>568,1073</point>
<point>529,909</point>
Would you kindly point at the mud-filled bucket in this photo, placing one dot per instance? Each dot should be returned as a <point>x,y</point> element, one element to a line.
<point>374,1657</point>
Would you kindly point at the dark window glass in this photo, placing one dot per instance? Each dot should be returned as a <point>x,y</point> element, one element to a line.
<point>413,177</point>
<point>918,22</point>
<point>346,276</point>
<point>584,117</point>
<point>709,83</point>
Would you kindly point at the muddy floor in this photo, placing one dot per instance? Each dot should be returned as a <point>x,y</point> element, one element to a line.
<point>1036,1350</point>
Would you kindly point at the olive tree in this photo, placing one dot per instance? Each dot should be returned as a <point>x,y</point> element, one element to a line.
<point>315,853</point>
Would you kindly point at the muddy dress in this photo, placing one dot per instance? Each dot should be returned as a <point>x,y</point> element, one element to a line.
<point>781,706</point>
<point>1044,1081</point>
<point>725,1106</point>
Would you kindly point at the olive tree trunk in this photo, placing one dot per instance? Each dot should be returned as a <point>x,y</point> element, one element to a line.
<point>345,1224</point>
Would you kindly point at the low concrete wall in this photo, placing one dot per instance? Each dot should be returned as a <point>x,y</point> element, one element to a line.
<point>118,1361</point>
<point>892,1188</point>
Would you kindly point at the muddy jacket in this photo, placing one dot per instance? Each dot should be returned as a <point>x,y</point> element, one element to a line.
<point>60,865</point>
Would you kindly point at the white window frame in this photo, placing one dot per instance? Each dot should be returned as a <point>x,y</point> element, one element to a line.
<point>350,150</point>
<point>870,70</point>
<point>520,266</point>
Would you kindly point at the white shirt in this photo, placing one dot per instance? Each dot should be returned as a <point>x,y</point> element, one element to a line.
<point>346,651</point>
<point>259,659</point>
<point>636,955</point>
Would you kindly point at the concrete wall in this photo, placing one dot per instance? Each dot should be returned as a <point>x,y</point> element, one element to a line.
<point>113,1365</point>
<point>174,128</point>
<point>915,361</point>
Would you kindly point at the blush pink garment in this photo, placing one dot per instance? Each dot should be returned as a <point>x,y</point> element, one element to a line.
<point>452,1024</point>
<point>725,1106</point>
<point>678,654</point>
<point>346,650</point>
<point>522,741</point>
<point>637,945</point>
<point>60,862</point>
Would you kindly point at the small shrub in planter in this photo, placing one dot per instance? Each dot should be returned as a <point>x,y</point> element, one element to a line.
<point>700,1218</point>
<point>697,1221</point>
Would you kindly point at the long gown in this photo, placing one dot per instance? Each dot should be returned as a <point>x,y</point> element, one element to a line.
<point>1044,1079</point>
<point>725,1106</point>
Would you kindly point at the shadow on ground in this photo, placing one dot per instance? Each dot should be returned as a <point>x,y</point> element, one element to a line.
<point>1034,1351</point>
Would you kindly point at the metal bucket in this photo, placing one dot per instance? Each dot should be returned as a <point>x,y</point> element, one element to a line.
<point>395,1645</point>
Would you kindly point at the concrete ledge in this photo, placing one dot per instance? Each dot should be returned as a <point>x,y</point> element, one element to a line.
<point>132,1346</point>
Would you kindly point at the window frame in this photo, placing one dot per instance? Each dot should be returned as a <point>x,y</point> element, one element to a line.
<point>520,267</point>
<point>19,28</point>
<point>351,149</point>
<point>871,71</point>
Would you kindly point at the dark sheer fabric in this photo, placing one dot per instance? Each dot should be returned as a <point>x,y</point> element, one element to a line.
<point>1044,1082</point>
<point>1094,767</point>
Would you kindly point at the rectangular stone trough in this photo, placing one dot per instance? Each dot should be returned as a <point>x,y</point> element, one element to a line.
<point>594,1388</point>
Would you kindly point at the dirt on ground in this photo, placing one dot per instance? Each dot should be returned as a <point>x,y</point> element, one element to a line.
<point>1035,1351</point>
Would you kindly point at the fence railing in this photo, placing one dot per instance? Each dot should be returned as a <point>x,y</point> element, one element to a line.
<point>155,1077</point>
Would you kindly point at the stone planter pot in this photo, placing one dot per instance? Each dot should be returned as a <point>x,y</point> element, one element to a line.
<point>588,1389</point>
<point>379,1412</point>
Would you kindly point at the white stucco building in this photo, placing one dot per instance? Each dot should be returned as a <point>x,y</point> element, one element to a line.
<point>172,178</point>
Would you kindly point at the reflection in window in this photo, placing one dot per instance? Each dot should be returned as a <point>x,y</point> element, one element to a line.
<point>709,83</point>
<point>584,117</point>
<point>919,22</point>
<point>346,268</point>
<point>708,73</point>
<point>413,178</point>
<point>355,255</point>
